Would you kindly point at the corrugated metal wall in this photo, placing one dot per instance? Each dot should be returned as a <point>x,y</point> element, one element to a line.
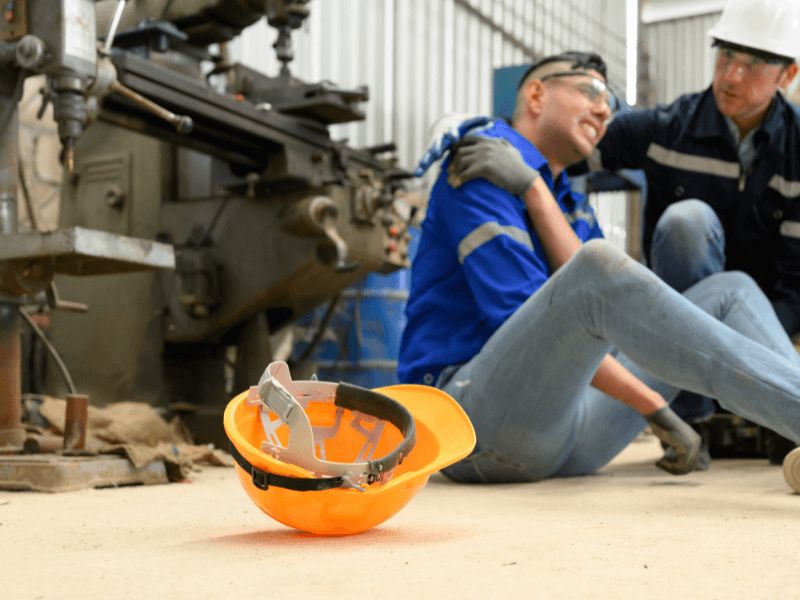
<point>422,59</point>
<point>679,56</point>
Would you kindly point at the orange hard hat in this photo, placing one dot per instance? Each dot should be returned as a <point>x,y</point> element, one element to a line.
<point>305,451</point>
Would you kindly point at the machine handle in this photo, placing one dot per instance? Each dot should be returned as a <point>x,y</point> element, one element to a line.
<point>112,29</point>
<point>183,124</point>
<point>57,303</point>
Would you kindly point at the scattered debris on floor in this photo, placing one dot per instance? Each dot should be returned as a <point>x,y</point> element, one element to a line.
<point>130,429</point>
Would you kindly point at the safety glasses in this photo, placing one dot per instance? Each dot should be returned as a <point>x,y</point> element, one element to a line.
<point>748,63</point>
<point>594,89</point>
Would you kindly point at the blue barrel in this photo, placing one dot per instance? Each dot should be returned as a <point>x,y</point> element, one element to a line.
<point>362,342</point>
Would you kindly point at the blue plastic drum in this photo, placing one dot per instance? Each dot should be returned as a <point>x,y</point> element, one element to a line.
<point>362,342</point>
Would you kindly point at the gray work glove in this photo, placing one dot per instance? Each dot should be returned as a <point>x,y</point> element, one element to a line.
<point>678,435</point>
<point>494,159</point>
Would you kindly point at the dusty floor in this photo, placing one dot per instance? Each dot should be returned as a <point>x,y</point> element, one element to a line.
<point>629,531</point>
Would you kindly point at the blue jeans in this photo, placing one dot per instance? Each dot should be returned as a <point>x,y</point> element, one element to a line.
<point>688,246</point>
<point>528,390</point>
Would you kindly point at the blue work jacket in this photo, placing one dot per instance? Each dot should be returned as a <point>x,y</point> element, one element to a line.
<point>687,151</point>
<point>478,261</point>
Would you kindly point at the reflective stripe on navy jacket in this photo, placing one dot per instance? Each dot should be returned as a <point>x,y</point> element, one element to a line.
<point>687,151</point>
<point>478,260</point>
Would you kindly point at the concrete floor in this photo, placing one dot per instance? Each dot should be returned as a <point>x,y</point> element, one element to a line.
<point>629,531</point>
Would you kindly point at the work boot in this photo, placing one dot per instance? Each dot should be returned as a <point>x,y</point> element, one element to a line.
<point>791,469</point>
<point>704,458</point>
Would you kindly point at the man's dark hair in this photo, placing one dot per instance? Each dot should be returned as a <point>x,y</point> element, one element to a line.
<point>768,57</point>
<point>578,60</point>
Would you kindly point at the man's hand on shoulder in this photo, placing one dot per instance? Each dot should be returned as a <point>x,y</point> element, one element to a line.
<point>493,159</point>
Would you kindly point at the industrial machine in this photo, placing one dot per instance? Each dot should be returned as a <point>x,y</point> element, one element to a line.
<point>168,147</point>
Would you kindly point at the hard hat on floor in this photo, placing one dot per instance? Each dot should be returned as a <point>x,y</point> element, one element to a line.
<point>337,459</point>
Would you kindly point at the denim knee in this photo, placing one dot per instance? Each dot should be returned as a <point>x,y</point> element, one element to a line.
<point>688,244</point>
<point>686,223</point>
<point>601,255</point>
<point>599,265</point>
<point>691,211</point>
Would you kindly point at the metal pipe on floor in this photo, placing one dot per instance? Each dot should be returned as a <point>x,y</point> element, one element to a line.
<point>75,421</point>
<point>42,444</point>
<point>11,431</point>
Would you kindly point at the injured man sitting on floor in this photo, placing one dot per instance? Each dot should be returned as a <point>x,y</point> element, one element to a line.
<point>559,347</point>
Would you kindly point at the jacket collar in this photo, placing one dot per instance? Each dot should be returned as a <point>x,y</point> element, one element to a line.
<point>705,121</point>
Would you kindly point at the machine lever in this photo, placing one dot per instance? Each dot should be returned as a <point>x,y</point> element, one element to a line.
<point>183,124</point>
<point>342,265</point>
<point>56,303</point>
<point>112,30</point>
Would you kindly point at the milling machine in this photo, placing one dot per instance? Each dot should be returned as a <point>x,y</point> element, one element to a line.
<point>57,40</point>
<point>268,216</point>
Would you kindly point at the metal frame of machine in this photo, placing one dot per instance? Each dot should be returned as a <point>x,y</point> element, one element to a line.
<point>284,219</point>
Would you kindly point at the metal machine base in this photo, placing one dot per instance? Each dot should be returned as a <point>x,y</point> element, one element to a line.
<point>54,473</point>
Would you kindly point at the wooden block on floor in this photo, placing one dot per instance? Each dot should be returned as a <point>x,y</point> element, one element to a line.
<point>55,473</point>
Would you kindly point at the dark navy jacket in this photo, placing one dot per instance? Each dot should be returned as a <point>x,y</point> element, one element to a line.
<point>687,151</point>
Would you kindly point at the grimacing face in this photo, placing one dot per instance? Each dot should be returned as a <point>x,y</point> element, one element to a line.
<point>574,116</point>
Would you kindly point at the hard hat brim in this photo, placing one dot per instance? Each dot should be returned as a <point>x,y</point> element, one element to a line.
<point>439,413</point>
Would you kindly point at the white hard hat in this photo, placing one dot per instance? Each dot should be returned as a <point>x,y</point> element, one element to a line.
<point>769,25</point>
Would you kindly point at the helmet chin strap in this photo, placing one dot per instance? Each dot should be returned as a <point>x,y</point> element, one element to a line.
<point>276,394</point>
